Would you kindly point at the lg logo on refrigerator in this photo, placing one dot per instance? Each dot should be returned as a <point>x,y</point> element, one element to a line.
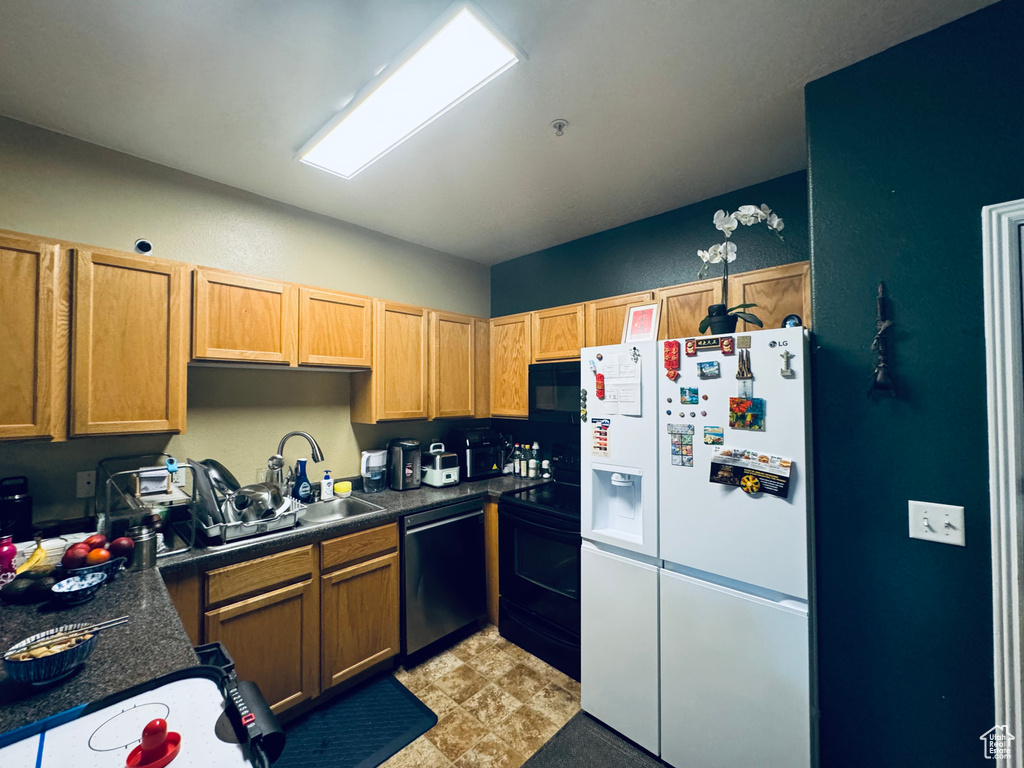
<point>774,344</point>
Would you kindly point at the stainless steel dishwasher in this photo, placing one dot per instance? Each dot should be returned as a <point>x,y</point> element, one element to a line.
<point>442,572</point>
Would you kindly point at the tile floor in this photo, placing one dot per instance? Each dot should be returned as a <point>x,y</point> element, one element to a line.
<point>496,705</point>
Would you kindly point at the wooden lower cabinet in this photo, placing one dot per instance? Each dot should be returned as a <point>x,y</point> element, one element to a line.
<point>491,558</point>
<point>359,617</point>
<point>274,640</point>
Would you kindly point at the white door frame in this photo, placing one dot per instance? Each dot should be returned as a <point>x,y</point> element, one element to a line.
<point>1001,232</point>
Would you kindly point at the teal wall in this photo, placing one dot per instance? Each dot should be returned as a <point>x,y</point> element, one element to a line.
<point>904,150</point>
<point>653,252</point>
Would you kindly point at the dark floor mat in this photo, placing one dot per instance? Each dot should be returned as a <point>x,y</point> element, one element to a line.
<point>359,729</point>
<point>585,743</point>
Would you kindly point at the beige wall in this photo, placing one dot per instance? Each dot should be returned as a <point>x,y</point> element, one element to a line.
<point>59,187</point>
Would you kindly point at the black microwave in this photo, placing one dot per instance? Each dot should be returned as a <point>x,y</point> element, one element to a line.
<point>555,392</point>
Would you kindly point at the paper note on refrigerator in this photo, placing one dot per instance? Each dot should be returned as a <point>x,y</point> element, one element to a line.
<point>623,385</point>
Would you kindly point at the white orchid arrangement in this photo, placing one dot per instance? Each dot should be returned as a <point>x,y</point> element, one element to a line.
<point>725,253</point>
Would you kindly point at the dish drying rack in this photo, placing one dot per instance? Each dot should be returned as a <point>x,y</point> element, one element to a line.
<point>117,475</point>
<point>120,506</point>
<point>227,532</point>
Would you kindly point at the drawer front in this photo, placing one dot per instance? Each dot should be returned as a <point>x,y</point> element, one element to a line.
<point>259,574</point>
<point>358,546</point>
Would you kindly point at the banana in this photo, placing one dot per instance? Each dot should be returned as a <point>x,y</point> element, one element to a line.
<point>37,557</point>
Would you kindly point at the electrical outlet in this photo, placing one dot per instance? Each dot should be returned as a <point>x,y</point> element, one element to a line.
<point>937,522</point>
<point>85,484</point>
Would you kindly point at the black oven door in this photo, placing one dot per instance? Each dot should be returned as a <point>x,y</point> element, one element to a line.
<point>539,565</point>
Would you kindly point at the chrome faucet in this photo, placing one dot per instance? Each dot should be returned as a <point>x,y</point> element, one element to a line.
<point>276,462</point>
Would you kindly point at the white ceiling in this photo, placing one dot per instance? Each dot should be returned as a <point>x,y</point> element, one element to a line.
<point>668,101</point>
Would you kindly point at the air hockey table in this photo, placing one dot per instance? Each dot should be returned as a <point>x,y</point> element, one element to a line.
<point>215,720</point>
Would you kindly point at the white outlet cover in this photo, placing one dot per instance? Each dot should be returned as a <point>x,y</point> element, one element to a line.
<point>85,484</point>
<point>937,522</point>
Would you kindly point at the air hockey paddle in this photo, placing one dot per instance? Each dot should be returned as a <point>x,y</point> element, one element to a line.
<point>158,747</point>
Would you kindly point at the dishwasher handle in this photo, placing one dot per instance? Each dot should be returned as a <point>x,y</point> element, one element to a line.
<point>418,519</point>
<point>443,521</point>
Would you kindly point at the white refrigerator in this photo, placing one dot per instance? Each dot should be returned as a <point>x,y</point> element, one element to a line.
<point>619,520</point>
<point>734,500</point>
<point>695,635</point>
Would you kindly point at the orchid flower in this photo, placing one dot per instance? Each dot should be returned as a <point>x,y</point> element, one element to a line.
<point>725,222</point>
<point>749,214</point>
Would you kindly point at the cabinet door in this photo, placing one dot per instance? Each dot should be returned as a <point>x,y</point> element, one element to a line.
<point>491,558</point>
<point>274,640</point>
<point>684,306</point>
<point>397,387</point>
<point>359,608</point>
<point>777,291</point>
<point>335,329</point>
<point>510,366</point>
<point>130,344</point>
<point>236,317</point>
<point>482,374</point>
<point>452,366</point>
<point>605,318</point>
<point>28,317</point>
<point>558,333</point>
<point>402,362</point>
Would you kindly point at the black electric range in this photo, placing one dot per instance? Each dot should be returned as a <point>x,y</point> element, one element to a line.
<point>539,565</point>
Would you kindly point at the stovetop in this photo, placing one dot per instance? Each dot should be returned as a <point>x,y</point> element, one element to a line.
<point>562,499</point>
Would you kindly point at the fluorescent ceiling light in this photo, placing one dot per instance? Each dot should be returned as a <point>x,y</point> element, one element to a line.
<point>461,58</point>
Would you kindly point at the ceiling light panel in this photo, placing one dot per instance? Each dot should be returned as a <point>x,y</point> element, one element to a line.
<point>463,56</point>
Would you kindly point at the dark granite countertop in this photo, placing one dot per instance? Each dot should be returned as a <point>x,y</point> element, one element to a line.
<point>395,505</point>
<point>153,643</point>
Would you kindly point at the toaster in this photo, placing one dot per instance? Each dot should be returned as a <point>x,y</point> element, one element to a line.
<point>440,468</point>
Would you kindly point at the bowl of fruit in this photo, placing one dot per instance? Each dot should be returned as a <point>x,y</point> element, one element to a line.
<point>49,656</point>
<point>95,555</point>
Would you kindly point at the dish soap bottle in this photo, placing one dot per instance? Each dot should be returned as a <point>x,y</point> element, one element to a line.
<point>326,486</point>
<point>301,489</point>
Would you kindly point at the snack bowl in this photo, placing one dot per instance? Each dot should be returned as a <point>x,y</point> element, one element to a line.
<point>78,589</point>
<point>111,568</point>
<point>47,669</point>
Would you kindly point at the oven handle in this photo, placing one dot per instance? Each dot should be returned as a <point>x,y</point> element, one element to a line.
<point>532,519</point>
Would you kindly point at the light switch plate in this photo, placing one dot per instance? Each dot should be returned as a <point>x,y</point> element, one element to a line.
<point>937,522</point>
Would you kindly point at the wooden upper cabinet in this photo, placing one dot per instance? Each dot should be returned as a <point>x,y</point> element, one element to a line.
<point>777,291</point>
<point>397,388</point>
<point>558,333</point>
<point>606,317</point>
<point>129,342</point>
<point>29,340</point>
<point>510,366</point>
<point>482,375</point>
<point>452,366</point>
<point>236,317</point>
<point>684,306</point>
<point>335,329</point>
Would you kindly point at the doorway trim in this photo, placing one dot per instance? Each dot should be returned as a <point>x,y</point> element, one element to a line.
<point>1002,228</point>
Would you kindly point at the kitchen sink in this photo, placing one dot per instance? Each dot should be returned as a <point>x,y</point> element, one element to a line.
<point>333,510</point>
